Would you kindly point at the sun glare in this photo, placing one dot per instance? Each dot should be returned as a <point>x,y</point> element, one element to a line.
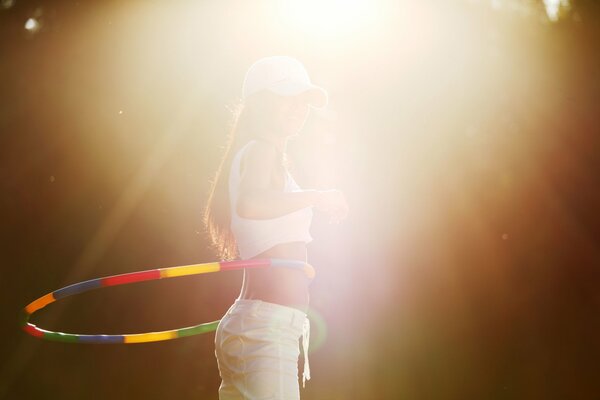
<point>326,18</point>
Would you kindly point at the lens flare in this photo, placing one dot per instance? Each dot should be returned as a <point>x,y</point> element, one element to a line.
<point>318,333</point>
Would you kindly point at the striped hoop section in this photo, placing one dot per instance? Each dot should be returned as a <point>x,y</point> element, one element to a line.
<point>141,276</point>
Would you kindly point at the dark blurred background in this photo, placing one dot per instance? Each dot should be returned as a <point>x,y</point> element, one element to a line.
<point>464,133</point>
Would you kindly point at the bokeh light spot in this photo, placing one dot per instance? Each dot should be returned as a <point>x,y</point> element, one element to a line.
<point>6,4</point>
<point>32,25</point>
<point>553,8</point>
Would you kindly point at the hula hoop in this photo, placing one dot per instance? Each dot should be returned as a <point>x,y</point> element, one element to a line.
<point>141,276</point>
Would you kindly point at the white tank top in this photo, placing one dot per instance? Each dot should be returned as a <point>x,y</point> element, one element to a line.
<point>254,236</point>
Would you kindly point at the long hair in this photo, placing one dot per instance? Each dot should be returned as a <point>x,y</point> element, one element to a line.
<point>249,120</point>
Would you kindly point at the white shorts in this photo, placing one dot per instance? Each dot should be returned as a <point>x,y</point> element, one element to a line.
<point>257,351</point>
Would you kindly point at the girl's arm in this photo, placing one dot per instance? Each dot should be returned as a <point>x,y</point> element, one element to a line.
<point>257,200</point>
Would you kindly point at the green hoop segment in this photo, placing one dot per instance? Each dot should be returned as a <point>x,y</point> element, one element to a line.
<point>141,276</point>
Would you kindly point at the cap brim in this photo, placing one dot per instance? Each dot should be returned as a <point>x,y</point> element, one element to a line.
<point>316,95</point>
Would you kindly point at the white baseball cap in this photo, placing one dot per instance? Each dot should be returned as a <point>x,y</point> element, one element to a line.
<point>284,76</point>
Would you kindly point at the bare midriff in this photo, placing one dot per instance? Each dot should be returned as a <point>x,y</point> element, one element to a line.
<point>285,286</point>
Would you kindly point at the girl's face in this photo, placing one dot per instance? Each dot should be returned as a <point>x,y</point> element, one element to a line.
<point>293,111</point>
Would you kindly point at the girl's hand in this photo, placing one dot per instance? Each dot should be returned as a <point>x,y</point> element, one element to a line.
<point>333,203</point>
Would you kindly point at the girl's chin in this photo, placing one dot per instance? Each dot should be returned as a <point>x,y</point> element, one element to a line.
<point>289,132</point>
<point>293,130</point>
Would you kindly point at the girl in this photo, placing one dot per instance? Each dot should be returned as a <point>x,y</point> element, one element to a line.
<point>256,210</point>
